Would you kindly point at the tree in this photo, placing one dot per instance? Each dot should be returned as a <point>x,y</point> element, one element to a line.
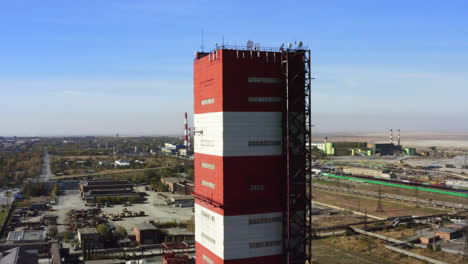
<point>121,232</point>
<point>191,224</point>
<point>104,231</point>
<point>55,190</point>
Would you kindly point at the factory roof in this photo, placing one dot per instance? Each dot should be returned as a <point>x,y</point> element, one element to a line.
<point>145,226</point>
<point>177,232</point>
<point>171,179</point>
<point>447,230</point>
<point>33,235</point>
<point>18,255</point>
<point>458,225</point>
<point>88,231</point>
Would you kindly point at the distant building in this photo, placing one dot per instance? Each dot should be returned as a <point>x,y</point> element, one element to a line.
<point>427,239</point>
<point>457,183</point>
<point>121,163</point>
<point>90,237</point>
<point>178,234</point>
<point>172,148</point>
<point>182,200</point>
<point>170,182</point>
<point>448,233</point>
<point>92,189</point>
<point>147,233</point>
<point>458,226</point>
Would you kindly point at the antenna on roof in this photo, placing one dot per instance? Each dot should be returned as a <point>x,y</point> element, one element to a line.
<point>250,44</point>
<point>300,44</point>
<point>202,42</point>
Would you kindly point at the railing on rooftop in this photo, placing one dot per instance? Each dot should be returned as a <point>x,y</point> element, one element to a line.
<point>255,48</point>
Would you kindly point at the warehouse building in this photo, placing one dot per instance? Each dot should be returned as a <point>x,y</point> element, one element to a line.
<point>92,189</point>
<point>26,236</point>
<point>172,148</point>
<point>448,233</point>
<point>147,234</point>
<point>89,237</point>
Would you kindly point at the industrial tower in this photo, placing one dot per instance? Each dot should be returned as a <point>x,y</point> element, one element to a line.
<point>251,125</point>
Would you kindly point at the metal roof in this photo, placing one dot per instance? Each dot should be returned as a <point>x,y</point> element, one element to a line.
<point>447,230</point>
<point>34,235</point>
<point>145,226</point>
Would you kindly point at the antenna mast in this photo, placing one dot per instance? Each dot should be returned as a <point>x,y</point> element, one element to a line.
<point>202,42</point>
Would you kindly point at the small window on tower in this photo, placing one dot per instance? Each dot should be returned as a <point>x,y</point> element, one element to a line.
<point>207,101</point>
<point>260,187</point>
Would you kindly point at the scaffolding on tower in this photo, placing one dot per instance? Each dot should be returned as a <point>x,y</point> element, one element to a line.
<point>297,150</point>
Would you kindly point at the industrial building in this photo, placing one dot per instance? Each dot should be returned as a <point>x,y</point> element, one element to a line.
<point>252,123</point>
<point>146,234</point>
<point>362,149</point>
<point>448,233</point>
<point>26,236</point>
<point>89,236</point>
<point>173,149</point>
<point>106,187</point>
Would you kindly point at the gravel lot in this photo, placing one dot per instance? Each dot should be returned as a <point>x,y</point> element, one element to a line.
<point>154,210</point>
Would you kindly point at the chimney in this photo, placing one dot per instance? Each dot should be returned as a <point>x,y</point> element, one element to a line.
<point>399,137</point>
<point>185,131</point>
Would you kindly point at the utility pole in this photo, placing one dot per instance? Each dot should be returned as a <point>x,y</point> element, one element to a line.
<point>379,201</point>
<point>365,218</point>
<point>465,249</point>
<point>417,196</point>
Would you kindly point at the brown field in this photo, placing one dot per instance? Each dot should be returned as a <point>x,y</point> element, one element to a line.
<point>404,192</point>
<point>361,249</point>
<point>332,220</point>
<point>326,253</point>
<point>391,209</point>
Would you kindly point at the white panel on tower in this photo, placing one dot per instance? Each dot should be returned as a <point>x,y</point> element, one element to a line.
<point>240,236</point>
<point>235,134</point>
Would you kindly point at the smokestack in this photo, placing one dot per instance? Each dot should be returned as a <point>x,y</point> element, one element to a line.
<point>399,137</point>
<point>186,131</point>
<point>189,147</point>
<point>391,136</point>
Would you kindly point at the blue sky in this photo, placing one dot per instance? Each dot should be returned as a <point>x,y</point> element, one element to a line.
<point>125,66</point>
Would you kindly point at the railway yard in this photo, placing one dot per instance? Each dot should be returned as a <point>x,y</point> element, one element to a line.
<point>362,203</point>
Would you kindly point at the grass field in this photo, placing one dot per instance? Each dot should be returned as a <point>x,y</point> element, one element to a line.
<point>327,253</point>
<point>3,215</point>
<point>358,249</point>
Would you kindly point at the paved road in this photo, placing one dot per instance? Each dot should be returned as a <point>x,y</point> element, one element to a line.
<point>46,172</point>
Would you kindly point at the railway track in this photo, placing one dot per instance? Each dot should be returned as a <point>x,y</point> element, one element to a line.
<point>394,197</point>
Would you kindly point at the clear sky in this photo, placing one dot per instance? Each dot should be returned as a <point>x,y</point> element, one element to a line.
<point>70,67</point>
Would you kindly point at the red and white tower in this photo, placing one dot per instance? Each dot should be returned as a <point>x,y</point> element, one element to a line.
<point>241,165</point>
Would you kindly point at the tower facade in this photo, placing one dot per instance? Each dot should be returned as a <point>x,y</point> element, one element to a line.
<point>240,160</point>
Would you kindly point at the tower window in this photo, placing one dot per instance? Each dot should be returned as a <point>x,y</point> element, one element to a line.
<point>264,99</point>
<point>207,101</point>
<point>208,184</point>
<point>264,143</point>
<point>263,80</point>
<point>256,187</point>
<point>208,165</point>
